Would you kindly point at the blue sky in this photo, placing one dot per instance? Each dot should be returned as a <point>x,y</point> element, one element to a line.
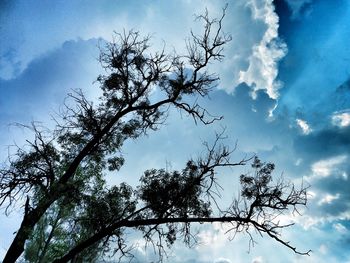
<point>284,95</point>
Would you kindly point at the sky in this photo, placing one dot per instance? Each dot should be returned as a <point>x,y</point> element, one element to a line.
<point>284,94</point>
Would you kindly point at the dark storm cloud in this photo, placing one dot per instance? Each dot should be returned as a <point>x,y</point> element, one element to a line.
<point>325,139</point>
<point>325,143</point>
<point>42,87</point>
<point>280,139</point>
<point>333,195</point>
<point>49,78</point>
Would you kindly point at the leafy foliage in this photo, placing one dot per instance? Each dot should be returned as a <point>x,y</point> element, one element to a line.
<point>176,194</point>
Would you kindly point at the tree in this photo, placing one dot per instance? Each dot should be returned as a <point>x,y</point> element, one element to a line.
<point>62,225</point>
<point>61,174</point>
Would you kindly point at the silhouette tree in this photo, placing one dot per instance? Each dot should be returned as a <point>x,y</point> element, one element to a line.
<point>60,175</point>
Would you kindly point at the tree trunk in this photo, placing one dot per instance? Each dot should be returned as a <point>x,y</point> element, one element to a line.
<point>25,230</point>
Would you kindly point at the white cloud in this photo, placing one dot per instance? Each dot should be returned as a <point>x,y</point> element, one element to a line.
<point>341,119</point>
<point>326,167</point>
<point>258,260</point>
<point>207,237</point>
<point>222,260</point>
<point>311,194</point>
<point>213,242</point>
<point>298,162</point>
<point>262,70</point>
<point>215,236</point>
<point>307,221</point>
<point>345,176</point>
<point>323,249</point>
<point>340,228</point>
<point>305,127</point>
<point>328,199</point>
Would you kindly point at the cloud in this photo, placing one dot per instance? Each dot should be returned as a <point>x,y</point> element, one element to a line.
<point>40,89</point>
<point>328,199</point>
<point>329,196</point>
<point>58,22</point>
<point>341,119</point>
<point>322,144</point>
<point>332,199</point>
<point>323,249</point>
<point>327,167</point>
<point>340,228</point>
<point>222,260</point>
<point>258,260</point>
<point>253,26</point>
<point>263,62</point>
<point>304,126</point>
